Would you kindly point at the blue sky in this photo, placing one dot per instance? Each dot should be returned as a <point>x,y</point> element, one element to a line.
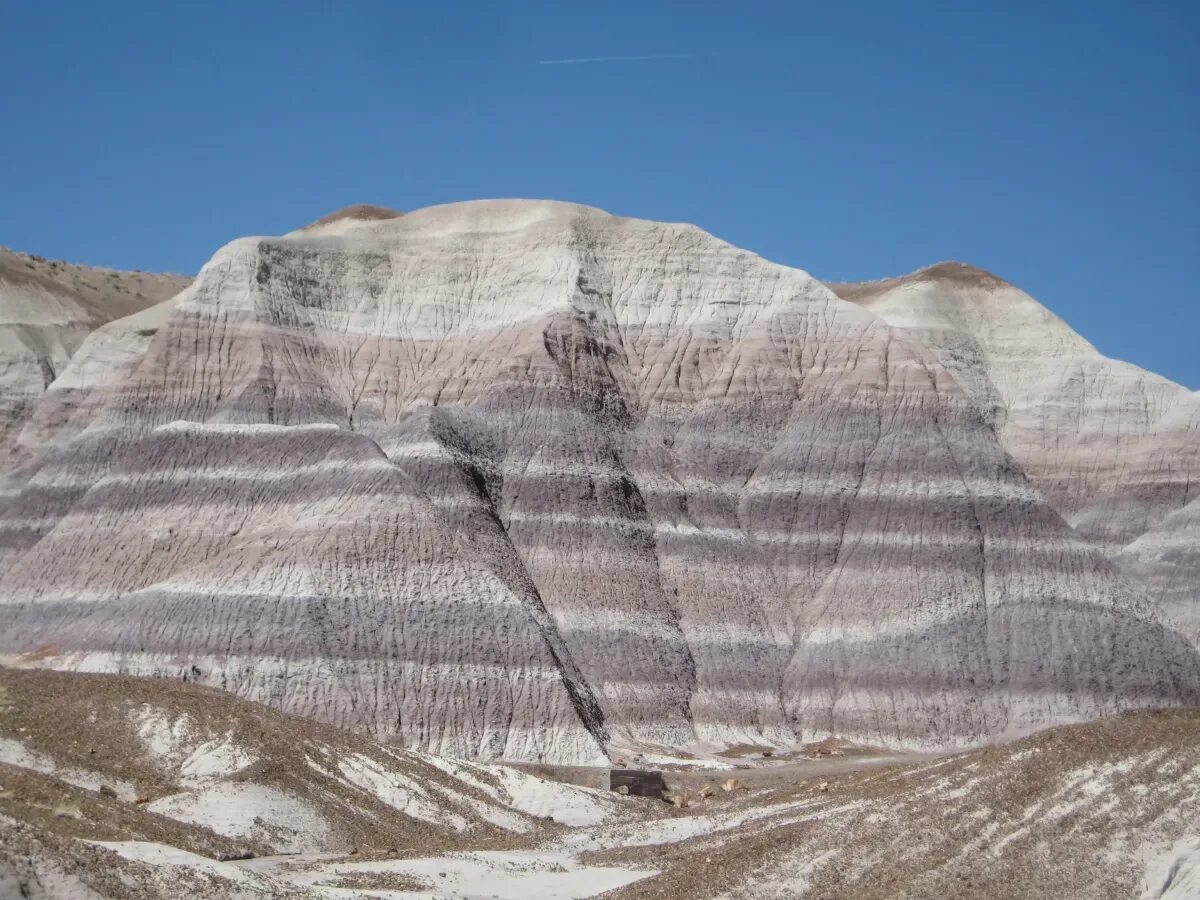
<point>1057,144</point>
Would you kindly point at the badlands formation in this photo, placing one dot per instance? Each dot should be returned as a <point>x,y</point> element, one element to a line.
<point>523,480</point>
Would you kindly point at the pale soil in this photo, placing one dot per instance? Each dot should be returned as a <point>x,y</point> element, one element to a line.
<point>98,724</point>
<point>1102,810</point>
<point>1068,813</point>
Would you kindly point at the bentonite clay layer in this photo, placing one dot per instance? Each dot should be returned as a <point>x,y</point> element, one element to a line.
<point>517,478</point>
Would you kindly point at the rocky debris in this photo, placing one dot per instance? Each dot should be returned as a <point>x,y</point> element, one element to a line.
<point>236,856</point>
<point>636,782</point>
<point>521,479</point>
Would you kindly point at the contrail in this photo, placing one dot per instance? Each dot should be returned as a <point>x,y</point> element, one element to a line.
<point>605,59</point>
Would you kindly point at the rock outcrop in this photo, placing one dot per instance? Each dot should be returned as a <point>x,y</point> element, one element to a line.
<point>517,478</point>
<point>47,309</point>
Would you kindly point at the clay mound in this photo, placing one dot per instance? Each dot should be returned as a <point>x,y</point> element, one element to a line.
<point>1115,449</point>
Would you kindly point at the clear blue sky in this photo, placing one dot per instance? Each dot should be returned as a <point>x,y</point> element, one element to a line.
<point>1057,144</point>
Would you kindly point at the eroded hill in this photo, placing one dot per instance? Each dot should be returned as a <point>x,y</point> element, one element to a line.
<point>524,480</point>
